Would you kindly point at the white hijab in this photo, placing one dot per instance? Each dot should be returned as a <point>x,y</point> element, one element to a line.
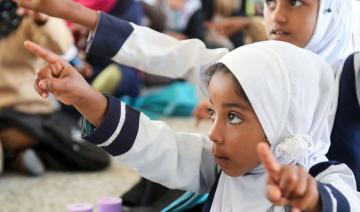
<point>290,90</point>
<point>356,24</point>
<point>332,38</point>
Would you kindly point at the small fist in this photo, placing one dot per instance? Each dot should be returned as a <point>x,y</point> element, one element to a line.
<point>289,184</point>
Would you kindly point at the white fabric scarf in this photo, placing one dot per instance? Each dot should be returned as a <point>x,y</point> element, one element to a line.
<point>332,38</point>
<point>290,90</point>
<point>356,24</point>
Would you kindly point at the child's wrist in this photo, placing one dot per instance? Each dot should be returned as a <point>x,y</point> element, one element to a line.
<point>67,10</point>
<point>80,14</point>
<point>85,98</point>
<point>316,204</point>
<point>92,105</point>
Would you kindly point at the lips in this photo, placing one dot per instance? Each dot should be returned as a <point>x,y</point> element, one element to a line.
<point>279,31</point>
<point>220,157</point>
<point>279,34</point>
<point>222,161</point>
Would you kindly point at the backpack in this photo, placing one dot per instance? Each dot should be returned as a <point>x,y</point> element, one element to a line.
<point>61,146</point>
<point>175,99</point>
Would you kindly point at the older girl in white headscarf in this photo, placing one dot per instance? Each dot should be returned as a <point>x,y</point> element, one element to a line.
<point>333,40</point>
<point>274,99</point>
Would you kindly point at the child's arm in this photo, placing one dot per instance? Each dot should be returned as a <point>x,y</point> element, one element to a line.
<point>68,86</point>
<point>176,160</point>
<point>130,44</point>
<point>289,184</point>
<point>65,9</point>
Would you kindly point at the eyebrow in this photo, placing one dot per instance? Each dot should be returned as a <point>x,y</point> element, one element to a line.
<point>233,105</point>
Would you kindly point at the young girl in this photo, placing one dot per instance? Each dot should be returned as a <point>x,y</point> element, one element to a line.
<point>266,102</point>
<point>321,26</point>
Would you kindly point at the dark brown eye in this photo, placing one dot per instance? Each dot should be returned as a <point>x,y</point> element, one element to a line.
<point>211,113</point>
<point>234,118</point>
<point>296,3</point>
<point>270,3</point>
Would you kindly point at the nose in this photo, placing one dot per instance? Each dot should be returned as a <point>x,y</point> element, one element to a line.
<point>279,13</point>
<point>216,133</point>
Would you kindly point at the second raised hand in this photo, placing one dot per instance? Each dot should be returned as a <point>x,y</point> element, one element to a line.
<point>44,80</point>
<point>273,192</point>
<point>57,77</point>
<point>289,184</point>
<point>68,86</point>
<point>64,9</point>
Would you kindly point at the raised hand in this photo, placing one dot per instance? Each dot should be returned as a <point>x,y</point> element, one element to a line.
<point>49,7</point>
<point>39,18</point>
<point>289,184</point>
<point>201,111</point>
<point>57,77</point>
<point>65,9</point>
<point>67,85</point>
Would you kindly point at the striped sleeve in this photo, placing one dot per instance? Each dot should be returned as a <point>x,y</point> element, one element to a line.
<point>148,50</point>
<point>157,152</point>
<point>118,131</point>
<point>357,74</point>
<point>110,35</point>
<point>336,186</point>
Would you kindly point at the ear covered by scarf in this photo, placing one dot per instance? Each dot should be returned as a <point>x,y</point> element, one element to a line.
<point>9,20</point>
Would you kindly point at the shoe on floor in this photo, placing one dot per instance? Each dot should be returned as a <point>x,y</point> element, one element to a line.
<point>29,162</point>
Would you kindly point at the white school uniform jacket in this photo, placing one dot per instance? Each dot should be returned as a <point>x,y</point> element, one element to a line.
<point>157,53</point>
<point>185,161</point>
<point>153,148</point>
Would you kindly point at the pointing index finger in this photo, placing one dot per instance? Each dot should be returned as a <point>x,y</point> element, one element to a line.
<point>266,156</point>
<point>39,51</point>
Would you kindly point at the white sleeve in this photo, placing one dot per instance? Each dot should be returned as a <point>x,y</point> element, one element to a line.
<point>337,188</point>
<point>161,54</point>
<point>173,159</point>
<point>150,51</point>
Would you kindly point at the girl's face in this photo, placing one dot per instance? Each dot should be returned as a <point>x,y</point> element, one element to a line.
<point>236,129</point>
<point>291,21</point>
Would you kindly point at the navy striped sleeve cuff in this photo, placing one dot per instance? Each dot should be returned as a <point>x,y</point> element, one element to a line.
<point>320,167</point>
<point>327,191</point>
<point>118,131</point>
<point>110,35</point>
<point>326,202</point>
